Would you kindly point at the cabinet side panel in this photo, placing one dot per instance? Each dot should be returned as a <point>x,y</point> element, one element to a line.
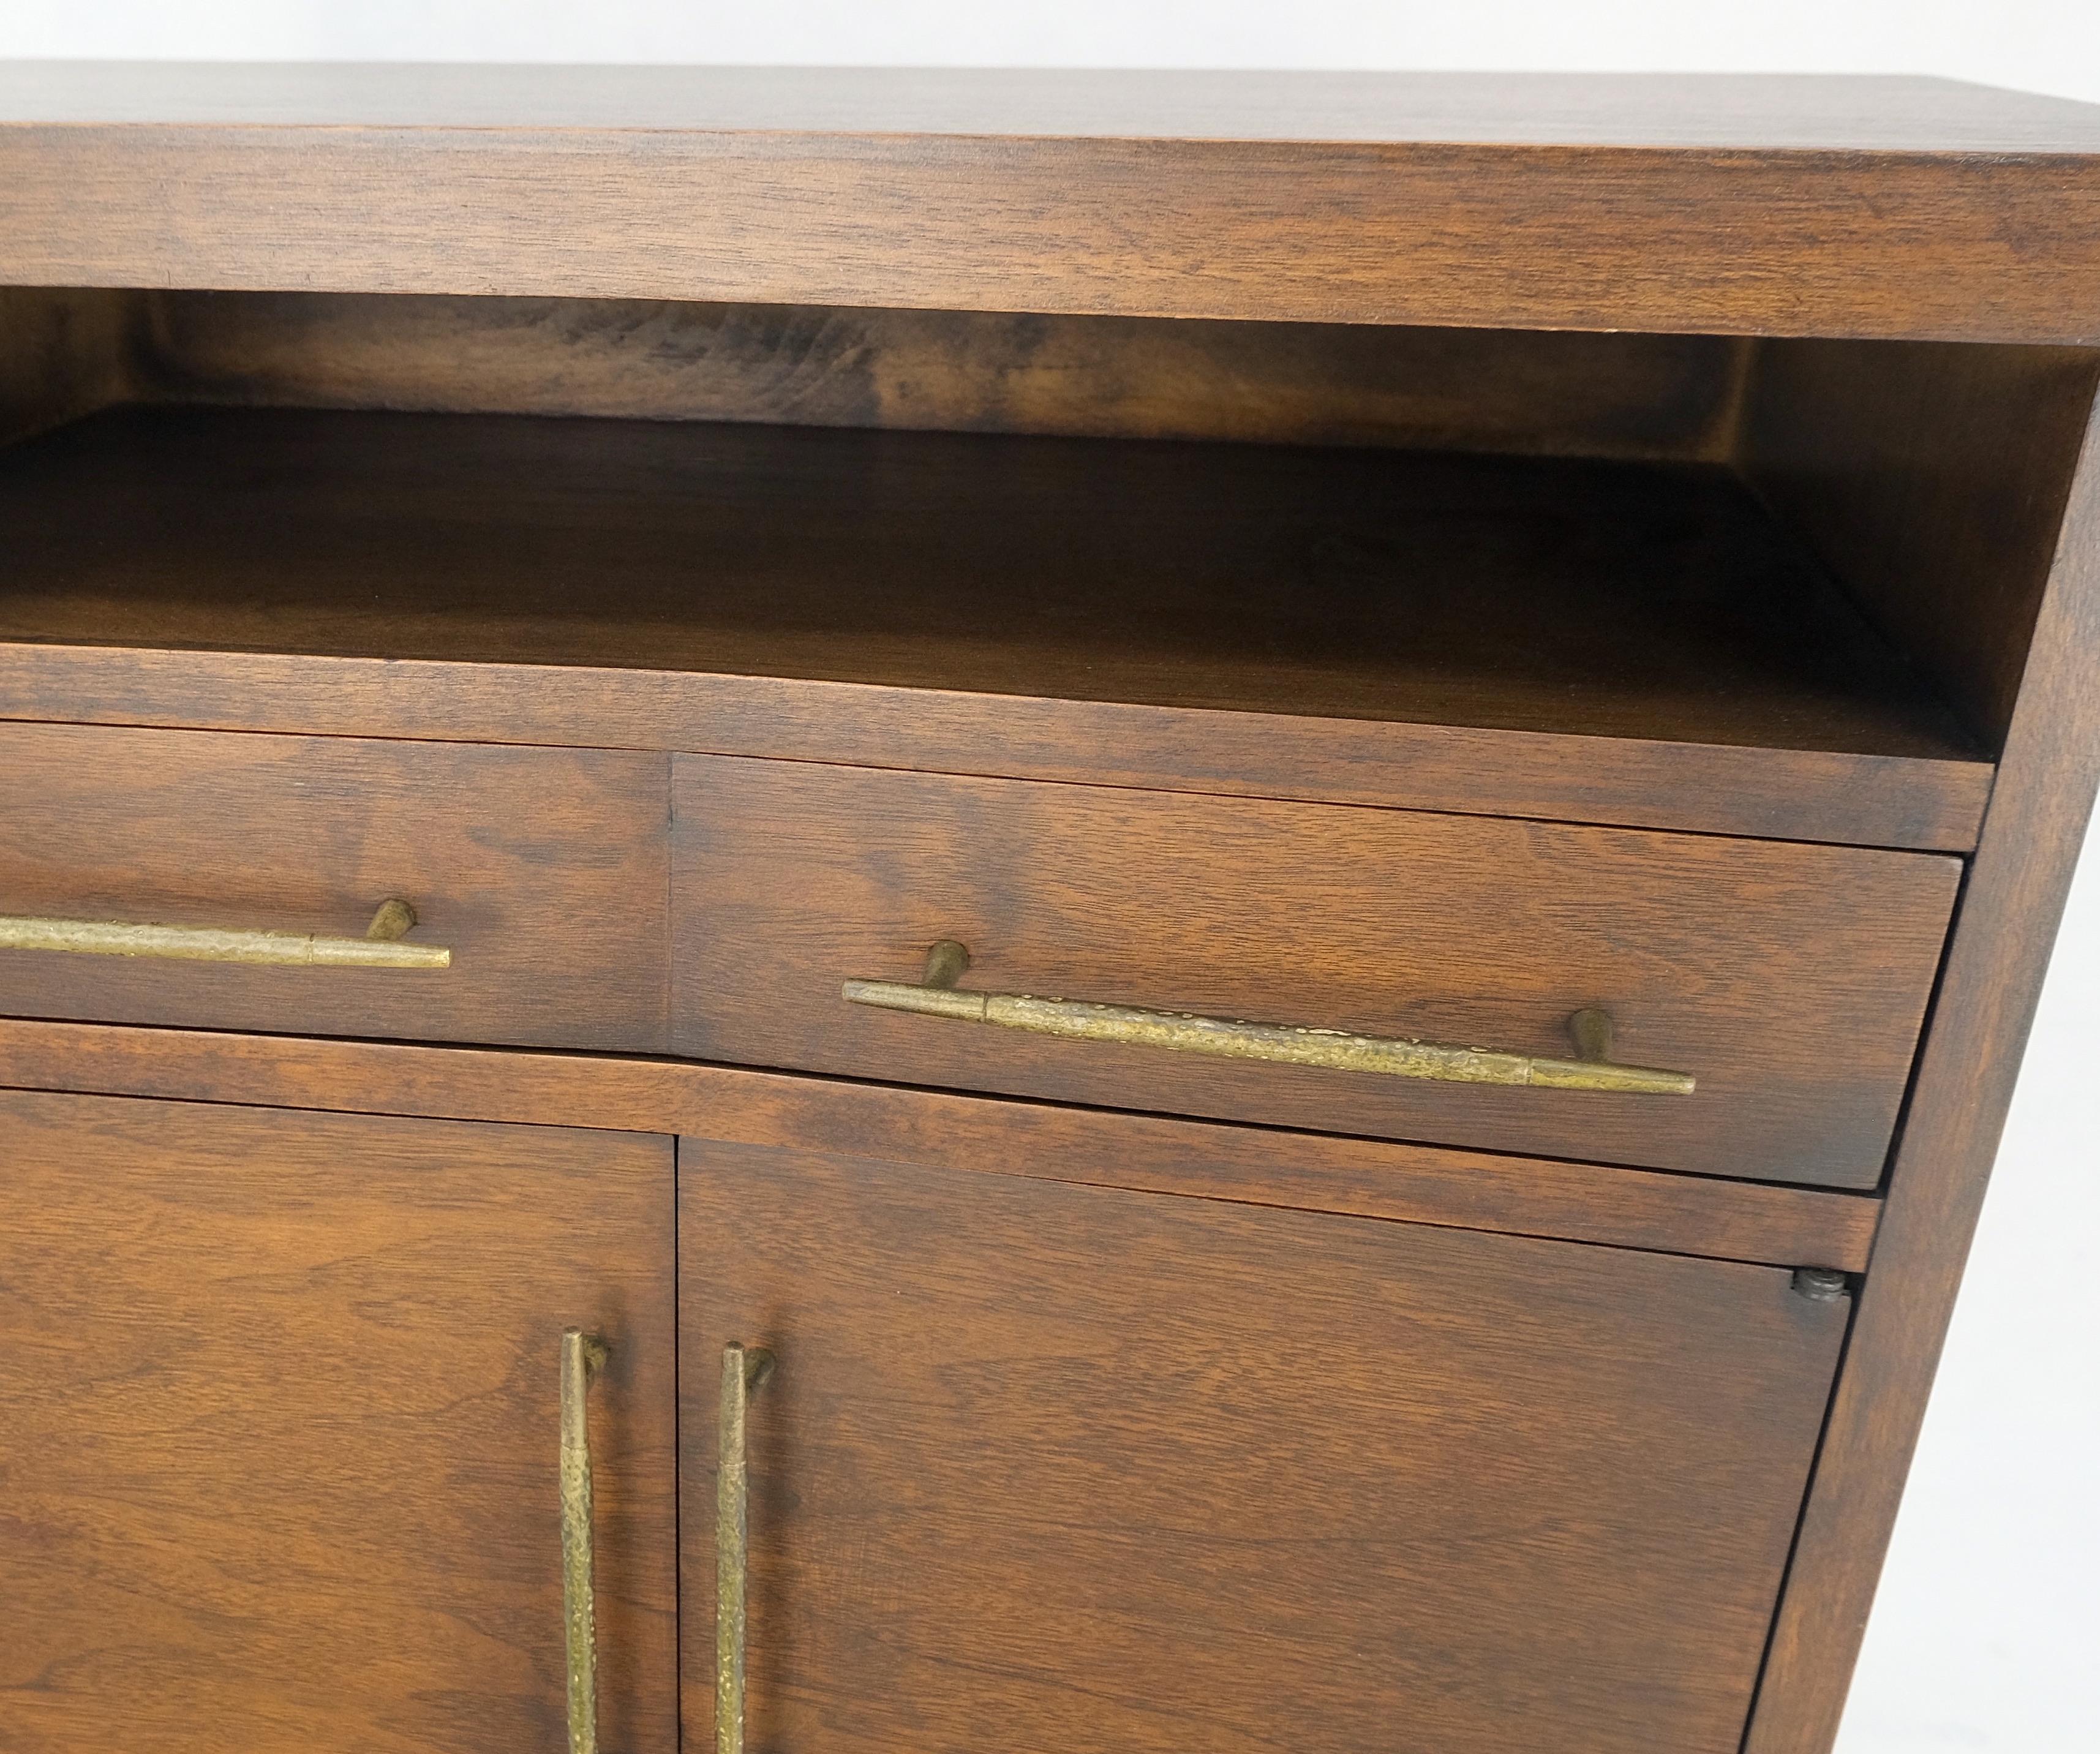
<point>1998,955</point>
<point>1932,478</point>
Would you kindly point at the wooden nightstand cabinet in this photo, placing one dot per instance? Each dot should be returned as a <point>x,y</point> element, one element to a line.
<point>874,911</point>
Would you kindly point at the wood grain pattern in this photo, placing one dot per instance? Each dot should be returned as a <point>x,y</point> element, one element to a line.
<point>1712,788</point>
<point>1517,593</point>
<point>1789,980</point>
<point>1994,965</point>
<point>1784,214</point>
<point>544,871</point>
<point>1112,1470</point>
<point>1563,393</point>
<point>1932,479</point>
<point>64,352</point>
<point>1466,1190</point>
<point>281,1418</point>
<point>1753,113</point>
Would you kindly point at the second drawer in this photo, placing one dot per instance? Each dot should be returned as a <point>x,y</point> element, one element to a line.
<point>1790,981</point>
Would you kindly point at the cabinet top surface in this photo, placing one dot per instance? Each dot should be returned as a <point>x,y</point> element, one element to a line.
<point>1703,113</point>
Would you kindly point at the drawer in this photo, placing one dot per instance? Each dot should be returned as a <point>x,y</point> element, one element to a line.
<point>542,871</point>
<point>1790,981</point>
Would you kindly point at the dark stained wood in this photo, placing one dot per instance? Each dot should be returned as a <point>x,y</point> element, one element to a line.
<point>280,1436</point>
<point>1909,208</point>
<point>1789,980</point>
<point>1783,794</point>
<point>1994,965</point>
<point>1514,594</point>
<point>1933,480</point>
<point>1633,1209</point>
<point>1317,259</point>
<point>543,872</point>
<point>64,352</point>
<point>1563,393</point>
<point>1523,594</point>
<point>1111,1470</point>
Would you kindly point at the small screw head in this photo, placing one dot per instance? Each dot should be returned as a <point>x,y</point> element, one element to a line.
<point>1820,1284</point>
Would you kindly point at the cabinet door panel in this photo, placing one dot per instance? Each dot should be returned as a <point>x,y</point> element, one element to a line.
<point>279,1444</point>
<point>1047,1467</point>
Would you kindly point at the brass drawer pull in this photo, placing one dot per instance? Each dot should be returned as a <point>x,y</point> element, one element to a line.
<point>381,947</point>
<point>1077,1020</point>
<point>581,1354</point>
<point>743,1369</point>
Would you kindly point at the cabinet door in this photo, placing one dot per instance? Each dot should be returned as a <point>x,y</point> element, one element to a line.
<point>1044,1467</point>
<point>279,1449</point>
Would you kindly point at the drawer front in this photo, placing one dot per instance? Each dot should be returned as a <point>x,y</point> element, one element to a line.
<point>1121,1471</point>
<point>1789,980</point>
<point>542,870</point>
<point>285,1414</point>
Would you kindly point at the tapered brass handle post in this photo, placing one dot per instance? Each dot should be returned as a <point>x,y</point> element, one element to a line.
<point>1288,1044</point>
<point>744,1368</point>
<point>382,947</point>
<point>581,1354</point>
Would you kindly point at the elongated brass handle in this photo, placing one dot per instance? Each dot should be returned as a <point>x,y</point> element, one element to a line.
<point>744,1368</point>
<point>1289,1044</point>
<point>581,1354</point>
<point>381,947</point>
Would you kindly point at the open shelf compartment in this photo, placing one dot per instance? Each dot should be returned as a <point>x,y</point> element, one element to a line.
<point>1404,542</point>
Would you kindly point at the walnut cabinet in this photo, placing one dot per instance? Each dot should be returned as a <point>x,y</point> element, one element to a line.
<point>891,911</point>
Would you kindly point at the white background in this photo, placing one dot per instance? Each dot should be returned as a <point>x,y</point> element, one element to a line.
<point>1986,1632</point>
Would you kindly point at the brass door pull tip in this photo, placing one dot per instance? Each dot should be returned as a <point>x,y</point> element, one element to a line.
<point>1287,1044</point>
<point>383,945</point>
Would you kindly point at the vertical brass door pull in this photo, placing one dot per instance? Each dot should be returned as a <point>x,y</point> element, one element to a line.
<point>581,1354</point>
<point>743,1369</point>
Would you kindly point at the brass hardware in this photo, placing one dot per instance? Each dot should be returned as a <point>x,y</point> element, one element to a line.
<point>581,1354</point>
<point>1289,1044</point>
<point>743,1369</point>
<point>381,947</point>
<point>1592,1031</point>
<point>395,920</point>
<point>947,963</point>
